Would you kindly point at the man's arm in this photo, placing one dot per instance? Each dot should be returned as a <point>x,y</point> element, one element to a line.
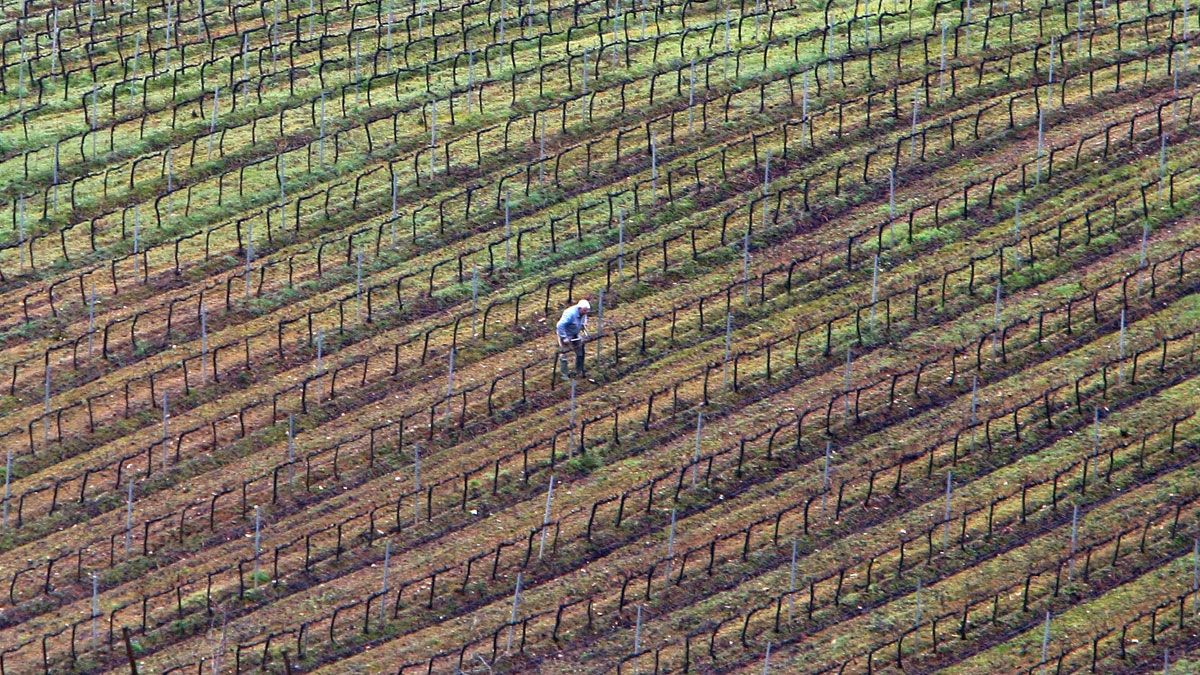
<point>559,328</point>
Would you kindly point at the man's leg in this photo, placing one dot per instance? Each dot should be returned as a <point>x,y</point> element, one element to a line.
<point>562,361</point>
<point>578,345</point>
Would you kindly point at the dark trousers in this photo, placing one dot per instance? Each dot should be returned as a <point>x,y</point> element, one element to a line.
<point>575,345</point>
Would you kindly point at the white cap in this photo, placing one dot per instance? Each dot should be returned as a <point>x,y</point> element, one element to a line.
<point>584,304</point>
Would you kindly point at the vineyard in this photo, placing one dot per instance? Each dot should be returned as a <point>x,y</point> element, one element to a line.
<point>891,360</point>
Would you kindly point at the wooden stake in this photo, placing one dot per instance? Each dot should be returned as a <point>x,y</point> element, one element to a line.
<point>291,448</point>
<point>1045,641</point>
<point>671,546</point>
<point>212,122</point>
<point>92,323</point>
<point>946,514</point>
<point>95,607</point>
<point>387,561</point>
<point>728,344</point>
<point>474,300</point>
<point>621,243</point>
<point>8,466</point>
<point>320,349</point>
<point>166,417</point>
<point>691,92</point>
<point>825,476</point>
<point>1074,541</point>
<point>321,129</point>
<point>358,285</point>
<point>942,69</point>
<point>792,582</point>
<point>637,632</point>
<point>1040,141</point>
<point>129,650</point>
<point>129,519</point>
<point>417,483</point>
<point>512,621</point>
<point>746,267</point>
<point>257,542</point>
<point>546,516</point>
<point>507,233</point>
<point>203,343</point>
<point>846,381</point>
<point>917,618</point>
<point>874,288</point>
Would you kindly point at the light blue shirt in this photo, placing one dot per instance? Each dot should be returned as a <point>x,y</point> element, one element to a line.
<point>570,323</point>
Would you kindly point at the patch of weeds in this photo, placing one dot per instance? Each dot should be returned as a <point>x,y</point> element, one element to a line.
<point>944,234</point>
<point>257,306</point>
<point>637,290</point>
<point>40,604</point>
<point>1103,241</point>
<point>1066,291</point>
<point>189,625</point>
<point>24,330</point>
<point>1030,275</point>
<point>1192,312</point>
<point>872,332</point>
<point>196,599</point>
<point>585,463</point>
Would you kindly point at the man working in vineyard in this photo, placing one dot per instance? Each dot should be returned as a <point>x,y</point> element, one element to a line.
<point>571,331</point>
